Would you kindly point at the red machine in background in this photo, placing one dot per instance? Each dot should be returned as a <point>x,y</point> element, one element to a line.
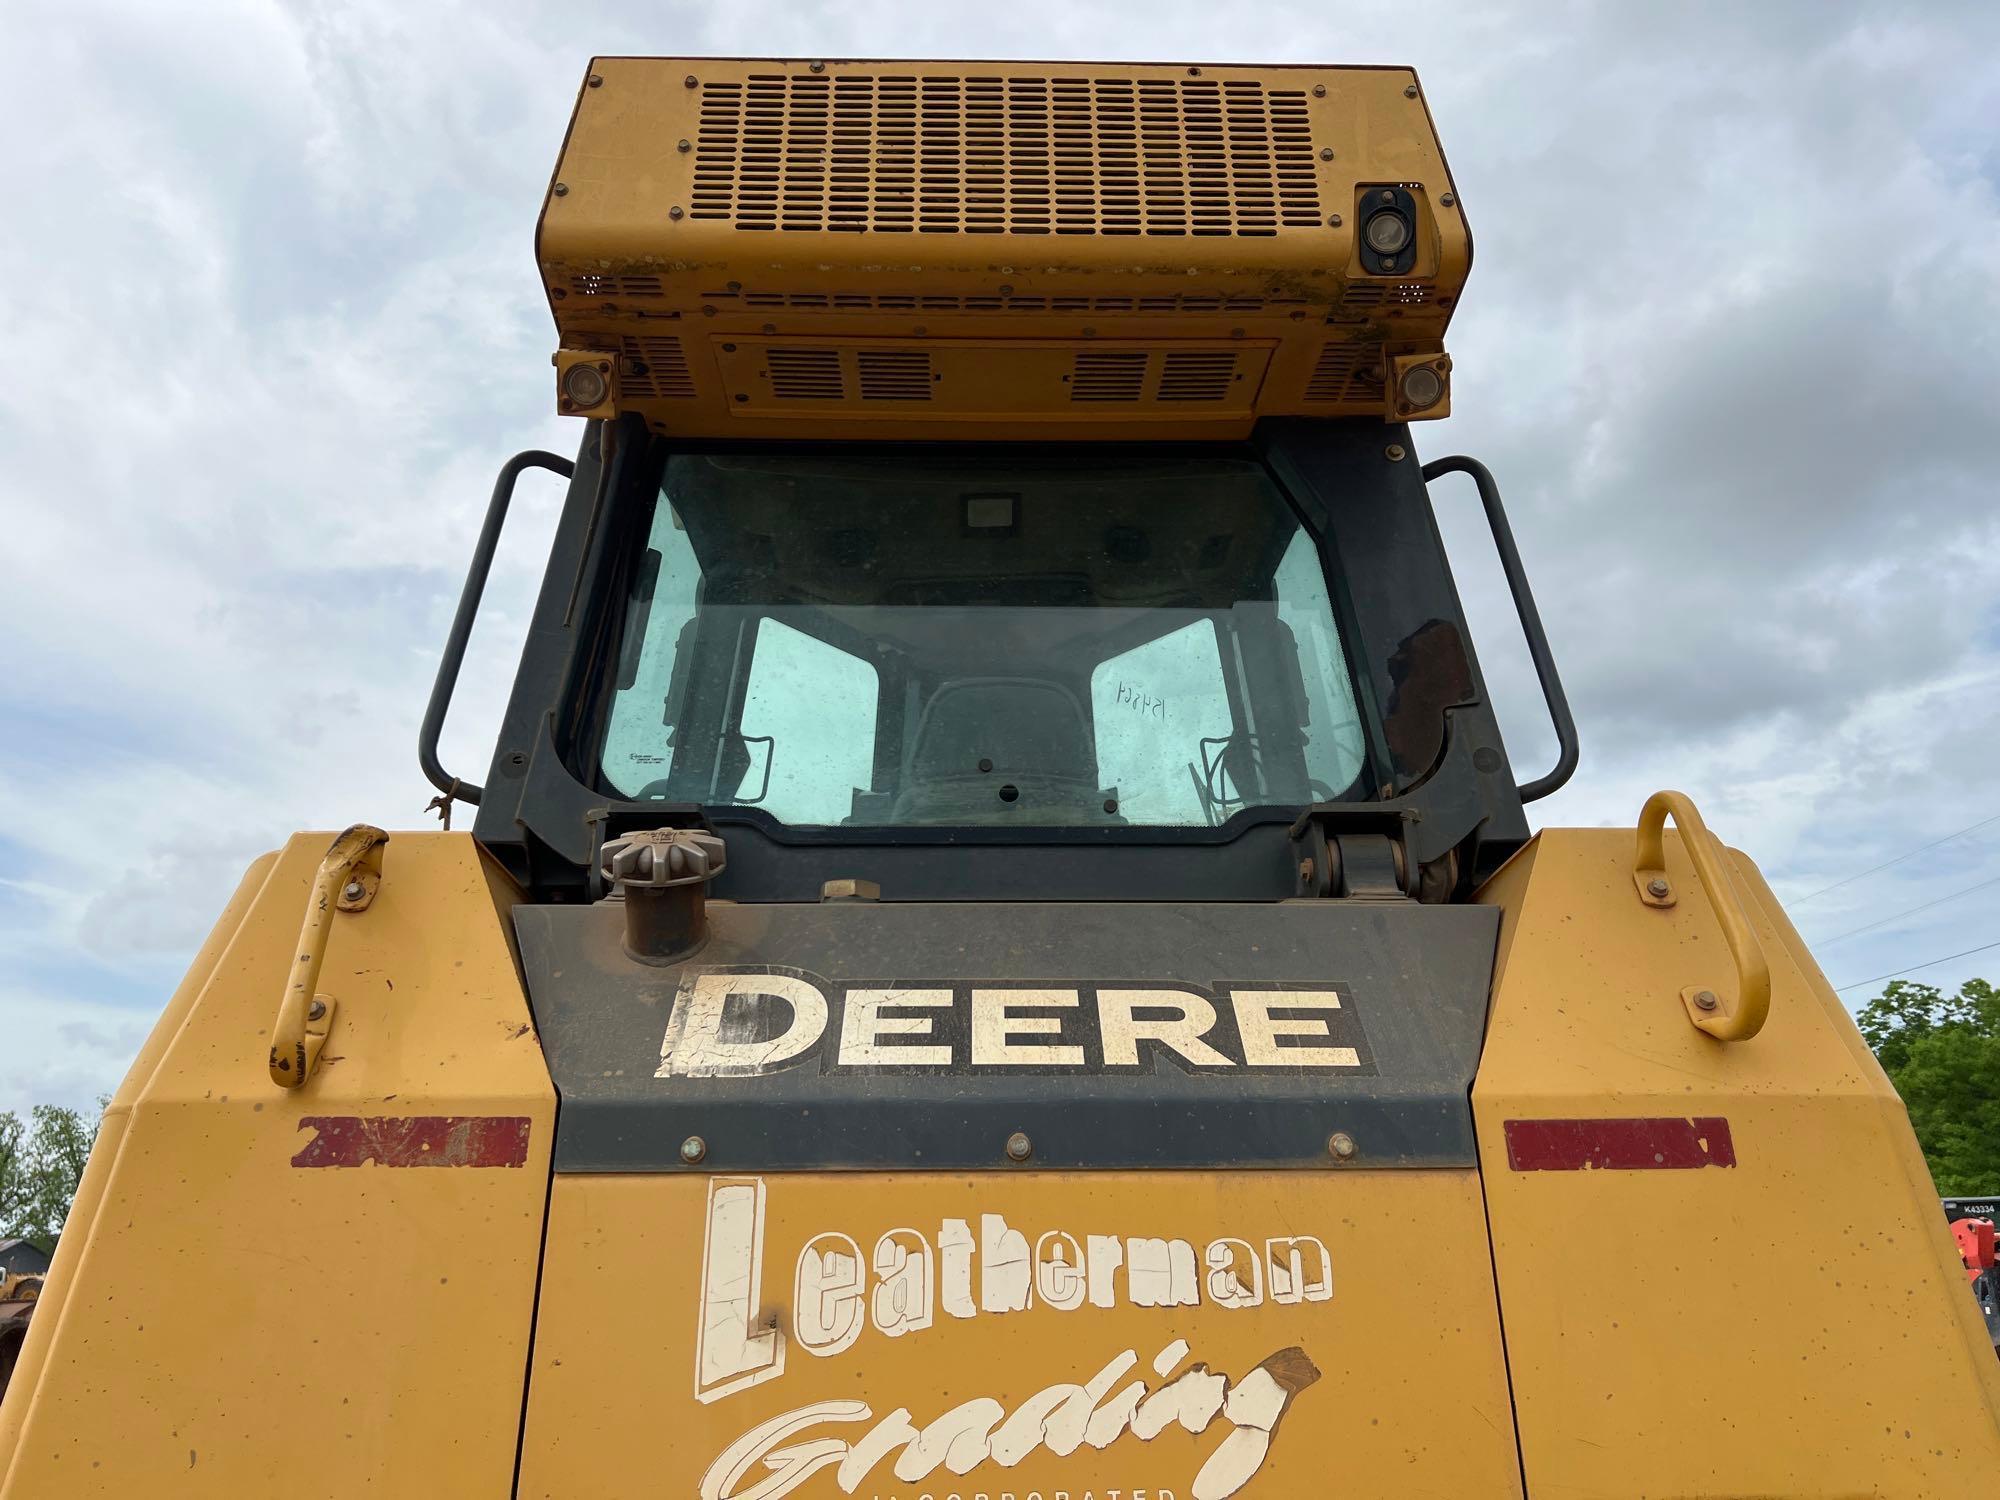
<point>1972,1228</point>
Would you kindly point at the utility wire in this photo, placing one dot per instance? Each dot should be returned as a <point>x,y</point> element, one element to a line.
<point>1896,861</point>
<point>1885,921</point>
<point>1897,973</point>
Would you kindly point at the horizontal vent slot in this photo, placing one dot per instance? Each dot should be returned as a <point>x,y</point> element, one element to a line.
<point>1108,377</point>
<point>656,368</point>
<point>1185,303</point>
<point>1380,293</point>
<point>943,154</point>
<point>1347,373</point>
<point>805,374</point>
<point>894,374</point>
<point>616,286</point>
<point>1192,375</point>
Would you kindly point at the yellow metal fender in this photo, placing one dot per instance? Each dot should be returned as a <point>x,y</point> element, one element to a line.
<point>255,1296</point>
<point>1722,1267</point>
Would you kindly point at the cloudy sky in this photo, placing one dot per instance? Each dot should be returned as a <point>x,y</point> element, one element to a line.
<point>269,321</point>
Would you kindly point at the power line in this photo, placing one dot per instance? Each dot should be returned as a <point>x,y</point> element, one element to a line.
<point>1898,973</point>
<point>1896,861</point>
<point>1885,921</point>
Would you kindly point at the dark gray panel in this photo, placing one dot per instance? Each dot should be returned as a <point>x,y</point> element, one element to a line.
<point>1411,983</point>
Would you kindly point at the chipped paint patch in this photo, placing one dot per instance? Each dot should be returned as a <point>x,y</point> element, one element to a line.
<point>1638,1145</point>
<point>415,1141</point>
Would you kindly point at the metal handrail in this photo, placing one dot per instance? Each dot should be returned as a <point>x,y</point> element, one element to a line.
<point>461,623</point>
<point>1531,620</point>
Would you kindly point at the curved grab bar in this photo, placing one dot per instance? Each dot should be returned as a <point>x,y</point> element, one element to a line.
<point>1531,620</point>
<point>461,623</point>
<point>346,880</point>
<point>1744,1019</point>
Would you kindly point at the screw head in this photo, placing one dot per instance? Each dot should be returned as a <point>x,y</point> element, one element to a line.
<point>316,1011</point>
<point>596,82</point>
<point>1449,200</point>
<point>1410,91</point>
<point>1657,886</point>
<point>693,1149</point>
<point>674,212</point>
<point>1705,1000</point>
<point>1326,153</point>
<point>1019,1147</point>
<point>354,890</point>
<point>1333,221</point>
<point>1340,1146</point>
<point>683,146</point>
<point>1319,91</point>
<point>818,67</point>
<point>1394,453</point>
<point>691,82</point>
<point>562,190</point>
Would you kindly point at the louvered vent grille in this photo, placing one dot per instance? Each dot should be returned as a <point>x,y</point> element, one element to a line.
<point>1350,373</point>
<point>589,284</point>
<point>657,368</point>
<point>805,374</point>
<point>1189,303</point>
<point>904,153</point>
<point>1379,293</point>
<point>1190,375</point>
<point>1108,377</point>
<point>894,374</point>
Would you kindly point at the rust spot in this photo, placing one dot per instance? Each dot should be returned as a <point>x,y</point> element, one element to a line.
<point>415,1141</point>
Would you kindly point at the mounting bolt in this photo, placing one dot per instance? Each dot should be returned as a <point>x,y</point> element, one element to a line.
<point>1449,200</point>
<point>683,146</point>
<point>316,1011</point>
<point>691,81</point>
<point>818,67</point>
<point>674,212</point>
<point>693,1149</point>
<point>1019,1147</point>
<point>1394,453</point>
<point>1319,91</point>
<point>1657,887</point>
<point>596,82</point>
<point>354,890</point>
<point>1340,1146</point>
<point>1410,91</point>
<point>1333,221</point>
<point>1326,153</point>
<point>1705,1000</point>
<point>562,190</point>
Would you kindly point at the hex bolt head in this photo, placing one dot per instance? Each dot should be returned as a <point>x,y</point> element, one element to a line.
<point>1333,221</point>
<point>818,67</point>
<point>1319,91</point>
<point>1705,1000</point>
<point>316,1011</point>
<point>1394,453</point>
<point>562,190</point>
<point>1449,200</point>
<point>683,146</point>
<point>1409,91</point>
<point>691,81</point>
<point>1657,887</point>
<point>354,890</point>
<point>1019,1147</point>
<point>596,82</point>
<point>1340,1146</point>
<point>693,1149</point>
<point>674,212</point>
<point>1326,153</point>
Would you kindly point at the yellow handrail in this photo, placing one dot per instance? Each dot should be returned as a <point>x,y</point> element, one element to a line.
<point>1745,1017</point>
<point>346,881</point>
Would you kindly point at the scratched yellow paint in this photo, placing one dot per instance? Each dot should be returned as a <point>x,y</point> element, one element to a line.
<point>232,1325</point>
<point>1410,1395</point>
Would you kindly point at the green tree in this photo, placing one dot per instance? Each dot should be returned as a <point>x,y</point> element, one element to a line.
<point>1943,1054</point>
<point>41,1163</point>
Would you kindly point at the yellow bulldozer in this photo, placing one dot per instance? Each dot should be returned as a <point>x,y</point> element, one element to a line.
<point>1000,955</point>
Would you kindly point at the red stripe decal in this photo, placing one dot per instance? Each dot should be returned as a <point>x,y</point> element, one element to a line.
<point>1618,1145</point>
<point>415,1141</point>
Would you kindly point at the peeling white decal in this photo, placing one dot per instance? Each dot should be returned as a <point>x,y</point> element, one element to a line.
<point>722,1024</point>
<point>1059,1420</point>
<point>729,1355</point>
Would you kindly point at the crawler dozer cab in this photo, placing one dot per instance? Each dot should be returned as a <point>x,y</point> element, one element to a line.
<point>1000,952</point>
